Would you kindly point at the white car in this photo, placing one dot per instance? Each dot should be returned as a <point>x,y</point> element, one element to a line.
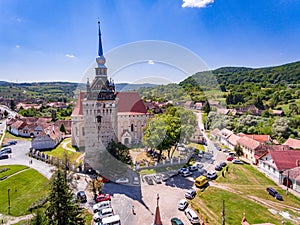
<point>102,214</point>
<point>190,194</point>
<point>211,175</point>
<point>101,205</point>
<point>122,180</point>
<point>187,173</point>
<point>192,216</point>
<point>182,204</point>
<point>136,180</point>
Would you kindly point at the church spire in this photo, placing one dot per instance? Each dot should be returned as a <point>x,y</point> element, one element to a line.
<point>157,219</point>
<point>100,50</point>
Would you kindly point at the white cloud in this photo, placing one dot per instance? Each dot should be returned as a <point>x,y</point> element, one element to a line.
<point>18,46</point>
<point>151,62</point>
<point>196,3</point>
<point>70,56</point>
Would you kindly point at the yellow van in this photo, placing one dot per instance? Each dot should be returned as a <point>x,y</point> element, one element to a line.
<point>201,181</point>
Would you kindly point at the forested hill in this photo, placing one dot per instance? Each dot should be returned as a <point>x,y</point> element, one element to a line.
<point>286,74</point>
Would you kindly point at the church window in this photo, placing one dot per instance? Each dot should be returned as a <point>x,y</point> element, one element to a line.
<point>132,128</point>
<point>110,111</point>
<point>82,131</point>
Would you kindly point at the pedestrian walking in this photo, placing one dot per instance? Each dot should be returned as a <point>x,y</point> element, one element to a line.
<point>133,212</point>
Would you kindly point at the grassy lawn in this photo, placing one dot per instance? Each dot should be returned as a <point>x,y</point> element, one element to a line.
<point>197,146</point>
<point>60,152</point>
<point>241,183</point>
<point>11,169</point>
<point>25,188</point>
<point>8,137</point>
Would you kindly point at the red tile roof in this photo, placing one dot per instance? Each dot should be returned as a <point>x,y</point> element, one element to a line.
<point>233,139</point>
<point>285,159</point>
<point>293,143</point>
<point>248,142</point>
<point>77,111</point>
<point>130,102</point>
<point>259,137</point>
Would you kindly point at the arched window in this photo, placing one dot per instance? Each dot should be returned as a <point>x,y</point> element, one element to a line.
<point>132,127</point>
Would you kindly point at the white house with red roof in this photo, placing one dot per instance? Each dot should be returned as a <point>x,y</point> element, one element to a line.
<point>274,162</point>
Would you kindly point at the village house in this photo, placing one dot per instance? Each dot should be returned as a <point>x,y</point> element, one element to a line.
<point>249,147</point>
<point>278,159</point>
<point>291,178</point>
<point>293,143</point>
<point>44,133</point>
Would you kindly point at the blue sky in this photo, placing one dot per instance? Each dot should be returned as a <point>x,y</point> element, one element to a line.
<point>54,40</point>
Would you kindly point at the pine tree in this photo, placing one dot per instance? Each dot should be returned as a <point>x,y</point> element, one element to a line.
<point>62,210</point>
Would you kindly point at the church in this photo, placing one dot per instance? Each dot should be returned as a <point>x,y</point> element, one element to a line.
<point>101,114</point>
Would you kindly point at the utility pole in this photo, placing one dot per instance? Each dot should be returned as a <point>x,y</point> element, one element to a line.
<point>8,197</point>
<point>223,213</point>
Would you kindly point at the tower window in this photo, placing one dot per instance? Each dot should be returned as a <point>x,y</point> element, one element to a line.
<point>132,128</point>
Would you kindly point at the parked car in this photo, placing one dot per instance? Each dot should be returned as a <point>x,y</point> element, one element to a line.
<point>187,173</point>
<point>5,151</point>
<point>104,179</point>
<point>81,196</point>
<point>182,204</point>
<point>202,172</point>
<point>225,150</point>
<point>103,197</point>
<point>164,177</point>
<point>223,164</point>
<point>199,165</point>
<point>193,168</point>
<point>157,179</point>
<point>183,169</point>
<point>190,194</point>
<point>200,154</point>
<point>136,180</point>
<point>231,154</point>
<point>201,181</point>
<point>3,156</point>
<point>101,205</point>
<point>102,214</point>
<point>149,180</point>
<point>122,180</point>
<point>236,161</point>
<point>211,175</point>
<point>192,216</point>
<point>12,142</point>
<point>230,158</point>
<point>176,221</point>
<point>218,168</point>
<point>274,193</point>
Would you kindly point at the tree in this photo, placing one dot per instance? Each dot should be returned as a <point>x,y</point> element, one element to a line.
<point>62,210</point>
<point>238,150</point>
<point>53,115</point>
<point>62,128</point>
<point>206,108</point>
<point>39,218</point>
<point>165,131</point>
<point>120,152</point>
<point>12,104</point>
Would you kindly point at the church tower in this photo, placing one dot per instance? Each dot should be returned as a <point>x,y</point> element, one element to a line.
<point>100,112</point>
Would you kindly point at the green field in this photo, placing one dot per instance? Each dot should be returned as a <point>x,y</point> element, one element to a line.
<point>25,188</point>
<point>243,190</point>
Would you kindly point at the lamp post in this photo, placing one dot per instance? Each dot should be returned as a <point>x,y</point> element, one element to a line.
<point>8,197</point>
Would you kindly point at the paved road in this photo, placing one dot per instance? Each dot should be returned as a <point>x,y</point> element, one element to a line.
<point>19,157</point>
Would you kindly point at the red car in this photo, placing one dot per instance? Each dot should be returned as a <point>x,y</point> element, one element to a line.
<point>104,179</point>
<point>103,197</point>
<point>230,158</point>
